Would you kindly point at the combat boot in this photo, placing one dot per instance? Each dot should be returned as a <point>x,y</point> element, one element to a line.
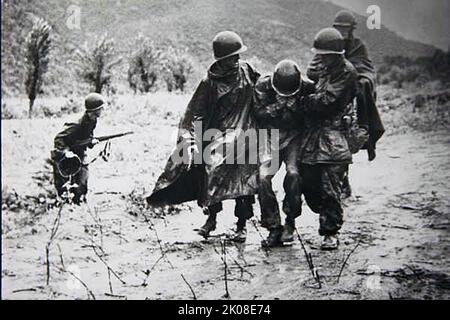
<point>330,243</point>
<point>210,225</point>
<point>240,233</point>
<point>288,232</point>
<point>273,239</point>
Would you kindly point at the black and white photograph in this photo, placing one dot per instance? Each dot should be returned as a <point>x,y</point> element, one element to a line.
<point>241,152</point>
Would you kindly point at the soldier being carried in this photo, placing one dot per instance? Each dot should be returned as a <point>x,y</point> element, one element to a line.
<point>276,107</point>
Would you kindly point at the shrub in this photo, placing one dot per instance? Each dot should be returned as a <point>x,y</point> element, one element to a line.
<point>38,45</point>
<point>143,65</point>
<point>177,68</point>
<point>95,64</point>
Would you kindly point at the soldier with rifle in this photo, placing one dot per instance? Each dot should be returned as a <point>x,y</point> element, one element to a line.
<point>70,172</point>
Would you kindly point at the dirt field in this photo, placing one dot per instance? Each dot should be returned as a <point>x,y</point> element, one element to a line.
<point>396,227</point>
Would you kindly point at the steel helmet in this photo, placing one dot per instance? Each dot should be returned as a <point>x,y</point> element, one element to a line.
<point>226,44</point>
<point>94,101</point>
<point>328,41</point>
<point>286,78</point>
<point>344,18</point>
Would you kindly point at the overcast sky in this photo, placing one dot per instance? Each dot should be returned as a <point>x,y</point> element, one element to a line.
<point>422,20</point>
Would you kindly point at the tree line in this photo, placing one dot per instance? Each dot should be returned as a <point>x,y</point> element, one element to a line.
<point>94,64</point>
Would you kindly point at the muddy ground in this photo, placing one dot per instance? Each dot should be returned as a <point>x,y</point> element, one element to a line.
<point>395,236</point>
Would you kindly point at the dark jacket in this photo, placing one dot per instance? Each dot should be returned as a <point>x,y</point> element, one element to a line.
<point>324,138</point>
<point>73,133</point>
<point>356,52</point>
<point>222,101</point>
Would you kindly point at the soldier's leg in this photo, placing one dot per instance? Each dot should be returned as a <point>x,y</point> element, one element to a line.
<point>331,213</point>
<point>81,179</point>
<point>346,188</point>
<point>243,210</point>
<point>270,212</point>
<point>292,203</point>
<point>211,222</point>
<point>310,186</point>
<point>58,181</point>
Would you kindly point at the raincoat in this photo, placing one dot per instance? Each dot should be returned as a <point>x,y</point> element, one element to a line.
<point>324,139</point>
<point>222,101</point>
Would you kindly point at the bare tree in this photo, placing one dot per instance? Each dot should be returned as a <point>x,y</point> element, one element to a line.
<point>95,64</point>
<point>38,45</point>
<point>144,65</point>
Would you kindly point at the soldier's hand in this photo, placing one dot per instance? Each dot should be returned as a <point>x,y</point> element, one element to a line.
<point>191,151</point>
<point>69,154</point>
<point>93,143</point>
<point>272,111</point>
<point>301,104</point>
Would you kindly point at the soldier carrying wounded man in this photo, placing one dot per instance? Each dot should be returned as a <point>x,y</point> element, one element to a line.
<point>222,102</point>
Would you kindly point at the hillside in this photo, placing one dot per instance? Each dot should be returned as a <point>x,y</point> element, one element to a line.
<point>272,29</point>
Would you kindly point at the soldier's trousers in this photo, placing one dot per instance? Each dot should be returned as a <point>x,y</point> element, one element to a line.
<point>80,179</point>
<point>292,203</point>
<point>346,188</point>
<point>322,188</point>
<point>243,208</point>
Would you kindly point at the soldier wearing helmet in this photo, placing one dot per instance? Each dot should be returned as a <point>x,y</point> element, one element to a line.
<point>222,102</point>
<point>69,172</point>
<point>356,52</point>
<point>367,115</point>
<point>276,99</point>
<point>325,154</point>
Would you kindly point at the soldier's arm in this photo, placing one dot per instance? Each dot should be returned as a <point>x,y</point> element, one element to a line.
<point>295,110</point>
<point>323,103</point>
<point>315,68</point>
<point>360,59</point>
<point>309,87</point>
<point>267,111</point>
<point>66,138</point>
<point>196,111</point>
<point>254,74</point>
<point>64,141</point>
<point>264,108</point>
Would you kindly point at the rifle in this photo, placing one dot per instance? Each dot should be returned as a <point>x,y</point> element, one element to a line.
<point>87,141</point>
<point>71,166</point>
